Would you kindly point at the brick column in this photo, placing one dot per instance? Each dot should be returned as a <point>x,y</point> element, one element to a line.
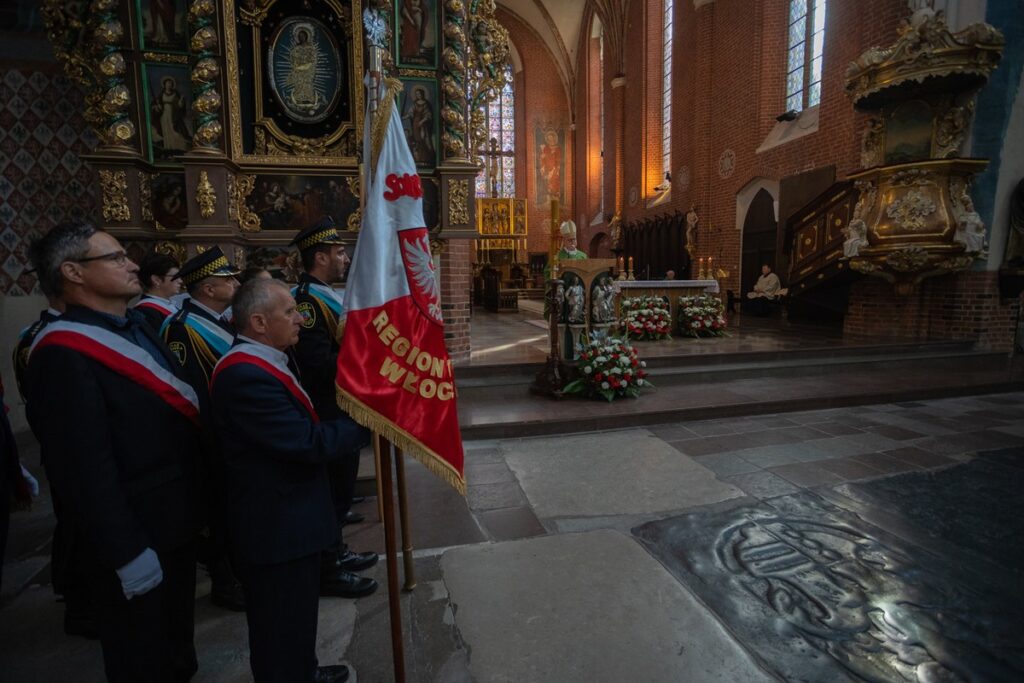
<point>456,281</point>
<point>618,110</point>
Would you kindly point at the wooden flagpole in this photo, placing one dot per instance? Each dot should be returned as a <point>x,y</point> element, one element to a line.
<point>394,607</point>
<point>403,513</point>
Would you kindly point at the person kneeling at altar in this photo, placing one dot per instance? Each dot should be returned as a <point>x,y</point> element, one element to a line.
<point>767,289</point>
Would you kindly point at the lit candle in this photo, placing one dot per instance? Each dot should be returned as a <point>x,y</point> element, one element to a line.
<point>701,261</point>
<point>630,263</point>
<point>710,271</point>
<point>622,264</point>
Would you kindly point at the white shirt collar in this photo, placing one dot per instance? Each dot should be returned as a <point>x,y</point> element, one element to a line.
<point>213,313</point>
<point>279,356</point>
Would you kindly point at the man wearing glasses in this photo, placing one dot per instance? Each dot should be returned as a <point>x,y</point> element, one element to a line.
<point>119,435</point>
<point>198,336</point>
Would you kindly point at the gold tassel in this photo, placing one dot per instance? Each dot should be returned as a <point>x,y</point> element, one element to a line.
<point>383,115</point>
<point>376,422</point>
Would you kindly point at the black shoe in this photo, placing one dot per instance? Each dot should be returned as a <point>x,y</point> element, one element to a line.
<point>331,674</point>
<point>228,596</point>
<point>356,562</point>
<point>352,518</point>
<point>347,585</point>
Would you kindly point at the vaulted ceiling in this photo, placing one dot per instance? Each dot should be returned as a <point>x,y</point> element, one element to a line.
<point>558,23</point>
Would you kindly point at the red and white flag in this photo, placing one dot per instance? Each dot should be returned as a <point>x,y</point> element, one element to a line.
<point>394,374</point>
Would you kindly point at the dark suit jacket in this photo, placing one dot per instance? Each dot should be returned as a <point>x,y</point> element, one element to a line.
<point>153,317</point>
<point>317,351</point>
<point>279,498</point>
<point>121,459</point>
<point>196,357</point>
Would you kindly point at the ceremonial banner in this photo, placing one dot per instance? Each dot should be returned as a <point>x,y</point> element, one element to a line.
<point>394,375</point>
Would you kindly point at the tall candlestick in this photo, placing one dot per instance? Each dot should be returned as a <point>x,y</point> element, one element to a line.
<point>631,263</point>
<point>711,271</point>
<point>622,264</point>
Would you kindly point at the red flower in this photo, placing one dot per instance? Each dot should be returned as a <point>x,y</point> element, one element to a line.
<point>598,376</point>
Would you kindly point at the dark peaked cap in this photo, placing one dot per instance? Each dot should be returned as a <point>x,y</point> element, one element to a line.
<point>211,263</point>
<point>324,232</point>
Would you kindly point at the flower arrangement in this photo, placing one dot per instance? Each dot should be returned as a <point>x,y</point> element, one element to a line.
<point>646,317</point>
<point>701,316</point>
<point>609,368</point>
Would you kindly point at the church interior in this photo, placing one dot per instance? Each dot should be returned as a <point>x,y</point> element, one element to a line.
<point>805,216</point>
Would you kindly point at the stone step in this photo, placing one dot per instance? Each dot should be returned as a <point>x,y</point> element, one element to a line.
<point>509,411</point>
<point>703,365</point>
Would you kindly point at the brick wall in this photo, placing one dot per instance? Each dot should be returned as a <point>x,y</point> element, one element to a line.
<point>962,306</point>
<point>456,280</point>
<point>540,99</point>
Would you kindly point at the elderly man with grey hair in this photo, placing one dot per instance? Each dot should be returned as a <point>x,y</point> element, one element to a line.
<point>118,432</point>
<point>280,514</point>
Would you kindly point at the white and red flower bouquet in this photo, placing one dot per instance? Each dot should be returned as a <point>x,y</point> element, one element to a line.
<point>609,368</point>
<point>701,316</point>
<point>646,318</point>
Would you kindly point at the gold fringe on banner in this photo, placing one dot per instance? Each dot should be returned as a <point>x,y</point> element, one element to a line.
<point>372,420</point>
<point>381,118</point>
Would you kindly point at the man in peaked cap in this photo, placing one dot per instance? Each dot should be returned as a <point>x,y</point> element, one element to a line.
<point>198,336</point>
<point>322,310</point>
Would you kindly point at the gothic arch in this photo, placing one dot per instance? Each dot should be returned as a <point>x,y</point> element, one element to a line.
<point>746,196</point>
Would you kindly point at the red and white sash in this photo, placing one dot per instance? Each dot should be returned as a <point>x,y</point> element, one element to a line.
<point>123,357</point>
<point>269,360</point>
<point>162,306</point>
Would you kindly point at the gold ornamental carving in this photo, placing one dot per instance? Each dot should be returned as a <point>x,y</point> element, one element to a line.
<point>284,145</point>
<point>176,250</point>
<point>88,39</point>
<point>206,197</point>
<point>912,210</point>
<point>114,185</point>
<point>458,202</point>
<point>488,55</point>
<point>248,220</point>
<point>926,55</point>
<point>239,257</point>
<point>145,196</point>
<point>206,101</point>
<point>165,58</point>
<point>454,86</point>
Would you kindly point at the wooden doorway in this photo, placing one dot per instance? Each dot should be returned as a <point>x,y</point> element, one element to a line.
<point>759,235</point>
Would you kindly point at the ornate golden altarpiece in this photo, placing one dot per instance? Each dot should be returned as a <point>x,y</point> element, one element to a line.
<point>239,122</point>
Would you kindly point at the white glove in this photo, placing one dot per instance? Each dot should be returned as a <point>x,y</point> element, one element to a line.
<point>141,575</point>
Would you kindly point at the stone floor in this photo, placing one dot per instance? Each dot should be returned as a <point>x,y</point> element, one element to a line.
<point>522,337</point>
<point>865,543</point>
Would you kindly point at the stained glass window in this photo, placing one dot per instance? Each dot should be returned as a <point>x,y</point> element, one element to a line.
<point>501,127</point>
<point>806,53</point>
<point>666,91</point>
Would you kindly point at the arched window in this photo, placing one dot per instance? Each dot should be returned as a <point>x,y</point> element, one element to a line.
<point>666,92</point>
<point>806,47</point>
<point>499,172</point>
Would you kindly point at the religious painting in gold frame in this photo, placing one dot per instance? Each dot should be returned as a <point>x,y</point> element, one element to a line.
<point>259,132</point>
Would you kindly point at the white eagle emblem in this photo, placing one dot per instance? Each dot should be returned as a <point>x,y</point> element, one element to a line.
<point>419,266</point>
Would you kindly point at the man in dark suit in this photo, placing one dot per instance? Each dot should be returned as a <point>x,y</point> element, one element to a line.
<point>280,515</point>
<point>324,261</point>
<point>198,336</point>
<point>158,274</point>
<point>118,433</point>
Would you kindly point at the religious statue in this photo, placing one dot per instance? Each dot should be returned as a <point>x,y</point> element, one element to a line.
<point>170,128</point>
<point>871,148</point>
<point>615,229</point>
<point>970,229</point>
<point>692,220</point>
<point>419,115</point>
<point>304,95</point>
<point>575,299</point>
<point>856,236</point>
<point>603,307</point>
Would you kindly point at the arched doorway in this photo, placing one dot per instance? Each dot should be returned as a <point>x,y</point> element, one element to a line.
<point>759,234</point>
<point>600,246</point>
